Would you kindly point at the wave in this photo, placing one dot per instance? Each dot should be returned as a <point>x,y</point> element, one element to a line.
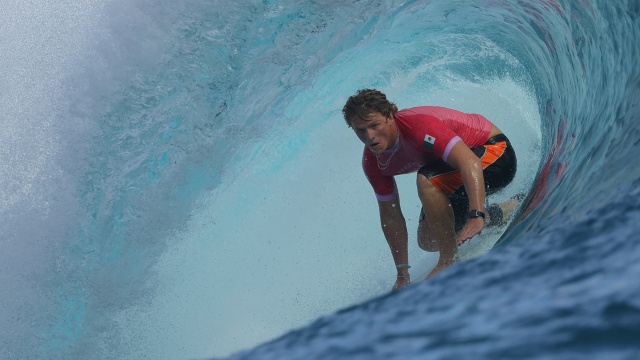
<point>178,184</point>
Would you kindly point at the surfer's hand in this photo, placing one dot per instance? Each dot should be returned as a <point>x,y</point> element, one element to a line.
<point>471,229</point>
<point>401,282</point>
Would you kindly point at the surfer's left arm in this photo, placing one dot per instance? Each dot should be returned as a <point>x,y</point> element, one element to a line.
<point>470,167</point>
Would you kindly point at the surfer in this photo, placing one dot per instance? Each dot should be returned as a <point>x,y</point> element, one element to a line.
<point>459,159</point>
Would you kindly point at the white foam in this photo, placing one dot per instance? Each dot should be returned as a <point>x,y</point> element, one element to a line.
<point>41,43</point>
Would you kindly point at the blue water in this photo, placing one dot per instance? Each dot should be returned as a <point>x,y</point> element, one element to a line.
<point>176,181</point>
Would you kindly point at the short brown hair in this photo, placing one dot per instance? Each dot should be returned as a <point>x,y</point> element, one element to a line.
<point>365,102</point>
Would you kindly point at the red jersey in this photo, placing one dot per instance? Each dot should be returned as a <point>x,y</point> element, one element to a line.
<point>426,134</point>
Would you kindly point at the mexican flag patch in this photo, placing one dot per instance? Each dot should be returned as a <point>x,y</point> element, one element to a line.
<point>429,141</point>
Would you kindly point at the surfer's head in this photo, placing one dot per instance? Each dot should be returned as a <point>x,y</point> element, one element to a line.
<point>371,116</point>
<point>365,103</point>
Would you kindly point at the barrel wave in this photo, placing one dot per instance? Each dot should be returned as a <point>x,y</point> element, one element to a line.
<point>177,181</point>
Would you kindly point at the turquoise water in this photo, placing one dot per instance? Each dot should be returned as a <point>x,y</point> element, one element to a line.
<point>177,181</point>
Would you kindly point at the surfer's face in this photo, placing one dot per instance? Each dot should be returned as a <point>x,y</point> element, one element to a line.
<point>377,132</point>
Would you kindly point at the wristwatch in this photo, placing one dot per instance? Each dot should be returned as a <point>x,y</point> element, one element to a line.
<point>475,213</point>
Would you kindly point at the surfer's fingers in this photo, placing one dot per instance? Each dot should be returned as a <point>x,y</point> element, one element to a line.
<point>467,233</point>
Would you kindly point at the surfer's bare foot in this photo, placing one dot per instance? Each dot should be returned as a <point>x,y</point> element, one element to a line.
<point>500,214</point>
<point>441,265</point>
<point>508,209</point>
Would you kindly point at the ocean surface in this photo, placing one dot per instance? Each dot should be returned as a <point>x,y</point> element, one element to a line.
<point>177,182</point>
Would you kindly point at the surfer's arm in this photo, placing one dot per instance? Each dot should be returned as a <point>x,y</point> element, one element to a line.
<point>470,167</point>
<point>394,228</point>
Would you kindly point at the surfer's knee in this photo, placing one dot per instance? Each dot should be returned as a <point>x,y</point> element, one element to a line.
<point>428,245</point>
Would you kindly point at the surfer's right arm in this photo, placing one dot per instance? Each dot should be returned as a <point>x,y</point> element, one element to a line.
<point>394,228</point>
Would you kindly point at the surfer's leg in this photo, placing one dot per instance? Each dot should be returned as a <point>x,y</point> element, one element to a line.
<point>460,207</point>
<point>437,227</point>
<point>426,240</point>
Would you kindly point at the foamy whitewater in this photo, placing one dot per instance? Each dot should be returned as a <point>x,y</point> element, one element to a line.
<point>177,182</point>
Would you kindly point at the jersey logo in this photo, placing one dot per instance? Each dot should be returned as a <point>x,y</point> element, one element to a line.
<point>429,141</point>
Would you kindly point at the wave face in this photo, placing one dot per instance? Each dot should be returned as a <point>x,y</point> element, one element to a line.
<point>177,181</point>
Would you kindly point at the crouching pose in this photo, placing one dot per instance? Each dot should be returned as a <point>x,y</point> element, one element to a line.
<point>459,159</point>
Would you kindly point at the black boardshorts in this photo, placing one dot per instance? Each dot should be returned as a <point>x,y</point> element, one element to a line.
<point>499,167</point>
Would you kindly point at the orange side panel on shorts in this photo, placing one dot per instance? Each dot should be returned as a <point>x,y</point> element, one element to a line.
<point>449,182</point>
<point>493,153</point>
